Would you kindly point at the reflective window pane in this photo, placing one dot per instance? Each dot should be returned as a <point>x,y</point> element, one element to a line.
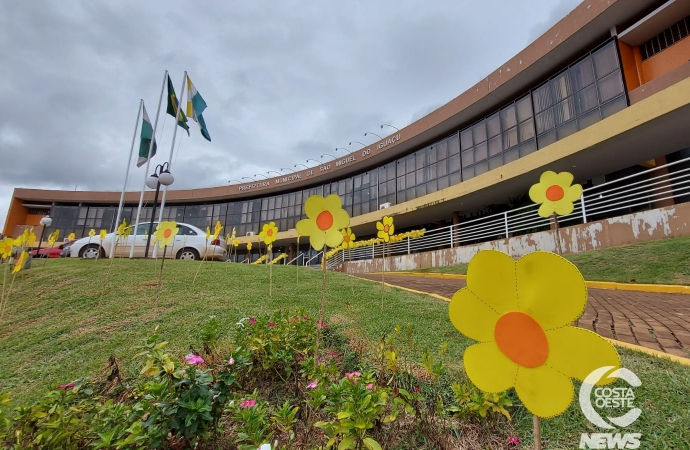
<point>480,152</point>
<point>544,121</point>
<point>560,86</point>
<point>495,145</point>
<point>510,138</point>
<point>493,125</point>
<point>479,132</point>
<point>610,86</point>
<point>524,108</point>
<point>564,111</point>
<point>508,119</point>
<point>542,98</point>
<point>582,74</point>
<point>605,60</point>
<point>586,99</point>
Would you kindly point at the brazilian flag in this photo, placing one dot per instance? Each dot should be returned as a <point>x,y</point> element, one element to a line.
<point>173,106</point>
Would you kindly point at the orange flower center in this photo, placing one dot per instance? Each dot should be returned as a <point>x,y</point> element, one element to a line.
<point>346,238</point>
<point>167,233</point>
<point>521,339</point>
<point>386,228</point>
<point>554,193</point>
<point>324,220</point>
<point>269,232</point>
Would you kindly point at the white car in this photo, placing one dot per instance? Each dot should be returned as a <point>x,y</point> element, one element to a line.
<point>190,243</point>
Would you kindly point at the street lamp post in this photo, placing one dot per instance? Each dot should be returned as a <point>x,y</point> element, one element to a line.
<point>285,168</point>
<point>250,178</point>
<point>298,164</point>
<point>328,154</point>
<point>161,176</point>
<point>357,142</point>
<point>369,132</point>
<point>317,162</point>
<point>341,148</point>
<point>386,125</point>
<point>275,171</point>
<point>45,222</point>
<point>257,174</point>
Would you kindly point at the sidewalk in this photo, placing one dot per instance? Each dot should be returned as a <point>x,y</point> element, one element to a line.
<point>657,321</point>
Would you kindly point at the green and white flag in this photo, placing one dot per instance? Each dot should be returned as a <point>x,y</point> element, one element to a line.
<point>195,106</point>
<point>146,136</point>
<point>173,104</point>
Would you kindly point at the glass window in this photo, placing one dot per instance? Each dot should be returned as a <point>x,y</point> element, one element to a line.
<point>542,99</point>
<point>495,145</point>
<point>564,111</point>
<point>610,86</point>
<point>420,176</point>
<point>582,74</point>
<point>453,145</point>
<point>605,60</point>
<point>442,168</point>
<point>544,121</point>
<point>480,152</point>
<point>401,184</point>
<point>510,138</point>
<point>185,231</point>
<point>524,108</point>
<point>479,132</point>
<point>409,164</point>
<point>467,158</point>
<point>493,125</point>
<point>409,180</point>
<point>586,99</point>
<point>421,159</point>
<point>431,154</point>
<point>526,130</point>
<point>560,86</point>
<point>465,139</point>
<point>358,181</point>
<point>454,163</point>
<point>508,119</point>
<point>391,172</point>
<point>442,149</point>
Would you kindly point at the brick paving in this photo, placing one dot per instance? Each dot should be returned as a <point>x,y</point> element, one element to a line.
<point>653,320</point>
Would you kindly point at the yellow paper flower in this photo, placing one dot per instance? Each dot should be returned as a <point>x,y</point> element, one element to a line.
<point>348,238</point>
<point>92,233</point>
<point>217,230</point>
<point>27,239</point>
<point>71,236</point>
<point>52,239</point>
<point>102,234</point>
<point>20,262</point>
<point>269,232</point>
<point>208,233</point>
<point>521,312</point>
<point>121,228</point>
<point>325,219</point>
<point>386,228</point>
<point>235,242</point>
<point>165,233</point>
<point>6,247</point>
<point>555,193</point>
<point>249,246</point>
<point>233,235</point>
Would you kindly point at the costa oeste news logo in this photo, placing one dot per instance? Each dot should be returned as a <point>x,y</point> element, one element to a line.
<point>604,397</point>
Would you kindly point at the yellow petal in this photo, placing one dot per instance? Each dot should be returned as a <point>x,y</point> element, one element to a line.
<point>317,240</point>
<point>491,277</point>
<point>383,235</point>
<point>306,227</point>
<point>471,316</point>
<point>576,352</point>
<point>352,237</point>
<point>387,220</point>
<point>548,178</point>
<point>333,203</point>
<point>314,205</point>
<point>488,368</point>
<point>563,207</point>
<point>564,180</point>
<point>379,226</point>
<point>573,193</point>
<point>341,219</point>
<point>333,237</point>
<point>537,193</point>
<point>544,391</point>
<point>391,229</point>
<point>550,289</point>
<point>546,209</point>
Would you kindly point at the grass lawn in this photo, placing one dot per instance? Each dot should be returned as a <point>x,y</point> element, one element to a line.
<point>656,262</point>
<point>58,328</point>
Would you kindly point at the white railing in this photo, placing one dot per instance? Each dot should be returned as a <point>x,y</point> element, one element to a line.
<point>625,195</point>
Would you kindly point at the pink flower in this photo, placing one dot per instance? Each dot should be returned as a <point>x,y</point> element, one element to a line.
<point>271,324</point>
<point>305,318</point>
<point>252,321</point>
<point>313,384</point>
<point>321,324</point>
<point>296,319</point>
<point>248,403</point>
<point>513,441</point>
<point>299,358</point>
<point>231,361</point>
<point>353,375</point>
<point>194,359</point>
<point>66,386</point>
<point>370,386</point>
<point>416,388</point>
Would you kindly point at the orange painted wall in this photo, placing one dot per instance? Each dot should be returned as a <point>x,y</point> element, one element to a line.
<point>631,58</point>
<point>17,215</point>
<point>666,60</point>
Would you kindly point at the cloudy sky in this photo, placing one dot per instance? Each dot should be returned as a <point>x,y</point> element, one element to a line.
<point>284,80</point>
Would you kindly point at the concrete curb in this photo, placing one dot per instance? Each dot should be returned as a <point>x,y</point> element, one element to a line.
<point>637,348</point>
<point>656,288</point>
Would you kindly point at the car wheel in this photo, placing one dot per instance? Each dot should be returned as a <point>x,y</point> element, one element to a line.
<point>188,253</point>
<point>91,252</point>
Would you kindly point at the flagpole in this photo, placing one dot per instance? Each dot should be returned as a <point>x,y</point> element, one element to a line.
<point>172,148</point>
<point>148,162</point>
<point>124,188</point>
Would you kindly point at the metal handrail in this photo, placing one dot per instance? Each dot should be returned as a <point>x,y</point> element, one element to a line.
<point>315,256</point>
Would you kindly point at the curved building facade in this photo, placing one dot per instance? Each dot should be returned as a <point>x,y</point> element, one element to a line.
<point>602,94</point>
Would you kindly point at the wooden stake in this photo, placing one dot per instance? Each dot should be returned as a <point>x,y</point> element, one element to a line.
<point>160,278</point>
<point>270,271</point>
<point>559,250</point>
<point>349,257</point>
<point>323,303</point>
<point>383,271</point>
<point>536,422</point>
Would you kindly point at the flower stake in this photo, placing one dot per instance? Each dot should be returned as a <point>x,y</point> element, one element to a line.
<point>386,229</point>
<point>122,231</point>
<point>51,241</point>
<point>297,260</point>
<point>5,253</point>
<point>212,237</point>
<point>520,313</point>
<point>349,242</point>
<point>165,235</point>
<point>325,218</point>
<point>18,266</point>
<point>101,237</point>
<point>268,234</point>
<point>556,194</point>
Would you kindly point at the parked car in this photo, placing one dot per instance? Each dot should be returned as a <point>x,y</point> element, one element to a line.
<point>190,243</point>
<point>51,252</point>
